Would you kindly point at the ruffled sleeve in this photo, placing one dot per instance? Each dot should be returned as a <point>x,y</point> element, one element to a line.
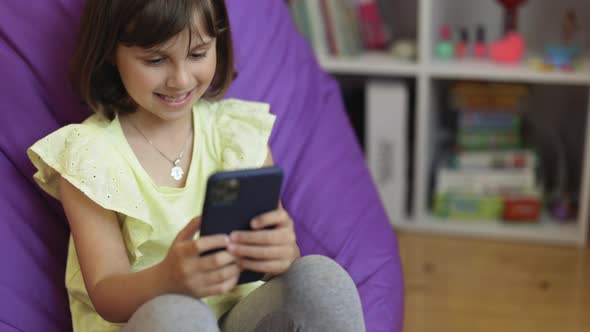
<point>244,128</point>
<point>83,155</point>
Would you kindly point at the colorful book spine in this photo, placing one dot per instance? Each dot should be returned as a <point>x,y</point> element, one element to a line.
<point>484,120</point>
<point>330,27</point>
<point>477,140</point>
<point>485,181</point>
<point>316,27</point>
<point>495,159</point>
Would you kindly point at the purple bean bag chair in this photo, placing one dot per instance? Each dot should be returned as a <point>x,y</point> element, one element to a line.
<point>327,190</point>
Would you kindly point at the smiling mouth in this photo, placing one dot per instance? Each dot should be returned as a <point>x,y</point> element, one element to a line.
<point>175,99</point>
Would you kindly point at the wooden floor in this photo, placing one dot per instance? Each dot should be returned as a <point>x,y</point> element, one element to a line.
<point>473,285</point>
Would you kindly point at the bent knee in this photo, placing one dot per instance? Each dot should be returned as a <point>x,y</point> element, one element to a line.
<point>316,266</point>
<point>173,301</point>
<point>322,295</point>
<point>321,275</point>
<point>165,311</point>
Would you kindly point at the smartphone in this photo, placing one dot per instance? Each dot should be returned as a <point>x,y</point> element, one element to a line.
<point>234,198</point>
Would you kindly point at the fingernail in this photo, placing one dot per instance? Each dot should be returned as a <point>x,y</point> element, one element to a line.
<point>254,223</point>
<point>231,247</point>
<point>234,236</point>
<point>226,239</point>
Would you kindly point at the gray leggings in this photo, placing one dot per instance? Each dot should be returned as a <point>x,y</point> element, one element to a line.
<point>315,294</point>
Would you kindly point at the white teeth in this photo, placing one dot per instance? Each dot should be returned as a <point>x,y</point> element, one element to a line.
<point>174,99</point>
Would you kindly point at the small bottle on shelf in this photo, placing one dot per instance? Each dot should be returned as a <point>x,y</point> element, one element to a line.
<point>444,47</point>
<point>480,49</point>
<point>462,47</point>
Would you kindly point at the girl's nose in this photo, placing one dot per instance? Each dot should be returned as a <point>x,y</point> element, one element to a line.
<point>180,78</point>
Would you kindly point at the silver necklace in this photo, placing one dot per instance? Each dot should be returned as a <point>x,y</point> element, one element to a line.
<point>176,172</point>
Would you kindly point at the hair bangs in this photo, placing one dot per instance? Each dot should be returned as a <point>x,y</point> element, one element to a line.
<point>161,20</point>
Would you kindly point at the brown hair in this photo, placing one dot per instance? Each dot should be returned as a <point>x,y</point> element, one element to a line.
<point>146,24</point>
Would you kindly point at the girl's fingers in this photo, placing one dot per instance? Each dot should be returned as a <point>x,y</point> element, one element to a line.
<point>268,266</point>
<point>215,261</point>
<point>277,236</point>
<point>188,232</point>
<point>221,275</point>
<point>270,219</point>
<point>188,248</point>
<point>219,288</point>
<point>207,243</point>
<point>260,252</point>
<point>199,265</point>
<point>201,245</point>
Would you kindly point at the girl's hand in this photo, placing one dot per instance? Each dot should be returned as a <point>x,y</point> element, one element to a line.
<point>270,251</point>
<point>188,273</point>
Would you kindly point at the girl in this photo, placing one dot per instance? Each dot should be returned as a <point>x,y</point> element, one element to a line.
<point>131,181</point>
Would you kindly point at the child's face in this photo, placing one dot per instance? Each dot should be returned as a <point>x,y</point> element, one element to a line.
<point>168,81</point>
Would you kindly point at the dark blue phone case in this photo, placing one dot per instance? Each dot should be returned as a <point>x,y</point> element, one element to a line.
<point>234,198</point>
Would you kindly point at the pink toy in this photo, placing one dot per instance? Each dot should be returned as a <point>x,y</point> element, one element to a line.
<point>445,32</point>
<point>510,49</point>
<point>371,25</point>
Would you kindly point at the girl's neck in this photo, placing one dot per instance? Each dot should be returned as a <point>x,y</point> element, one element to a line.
<point>158,128</point>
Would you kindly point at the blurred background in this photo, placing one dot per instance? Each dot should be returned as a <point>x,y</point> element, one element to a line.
<point>473,118</point>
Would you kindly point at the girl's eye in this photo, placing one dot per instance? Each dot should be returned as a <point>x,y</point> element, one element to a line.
<point>199,55</point>
<point>154,61</point>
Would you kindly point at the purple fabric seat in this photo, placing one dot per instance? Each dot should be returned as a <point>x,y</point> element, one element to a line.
<point>327,190</point>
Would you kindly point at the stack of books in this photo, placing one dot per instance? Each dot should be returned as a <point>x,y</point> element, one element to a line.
<point>490,176</point>
<point>489,115</point>
<point>490,185</point>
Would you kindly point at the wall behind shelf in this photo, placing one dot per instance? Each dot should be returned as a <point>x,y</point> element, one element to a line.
<point>353,95</point>
<point>401,16</point>
<point>557,117</point>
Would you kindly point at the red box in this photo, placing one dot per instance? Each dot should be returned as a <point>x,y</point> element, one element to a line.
<point>521,209</point>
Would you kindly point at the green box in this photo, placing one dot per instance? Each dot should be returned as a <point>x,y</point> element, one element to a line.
<point>464,206</point>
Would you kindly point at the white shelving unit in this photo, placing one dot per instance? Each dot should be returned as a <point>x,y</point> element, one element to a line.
<point>374,64</point>
<point>428,70</point>
<point>472,69</point>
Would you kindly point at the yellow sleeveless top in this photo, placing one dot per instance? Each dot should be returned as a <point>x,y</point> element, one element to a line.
<point>95,157</point>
